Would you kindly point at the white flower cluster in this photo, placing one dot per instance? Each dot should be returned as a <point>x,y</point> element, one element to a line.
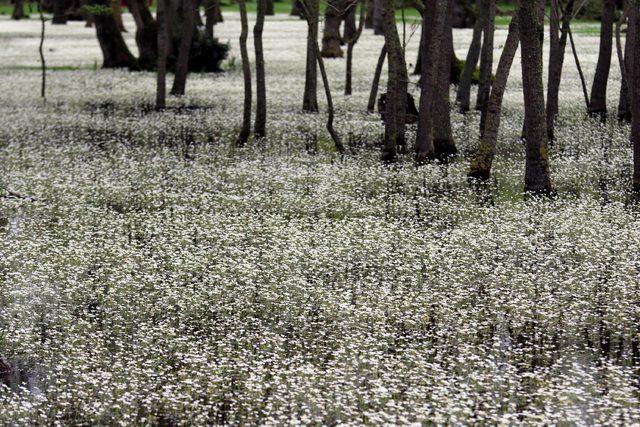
<point>151,274</point>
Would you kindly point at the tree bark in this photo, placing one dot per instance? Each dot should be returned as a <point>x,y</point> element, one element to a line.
<point>394,113</point>
<point>260,124</point>
<point>116,10</point>
<point>463,96</point>
<point>331,35</point>
<point>443,143</point>
<point>18,10</point>
<point>558,44</point>
<point>417,69</point>
<point>295,9</point>
<point>310,97</point>
<point>246,73</point>
<point>146,33</point>
<point>270,9</point>
<point>376,80</point>
<point>483,159</point>
<point>115,52</point>
<point>624,103</point>
<point>350,45</point>
<point>433,20</point>
<point>182,66</point>
<point>378,21</point>
<point>598,104</point>
<point>350,26</point>
<point>368,22</point>
<point>537,176</point>
<point>486,60</point>
<point>162,55</point>
<point>633,37</point>
<point>212,16</point>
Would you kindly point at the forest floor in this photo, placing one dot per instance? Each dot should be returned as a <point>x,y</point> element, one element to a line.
<point>151,273</point>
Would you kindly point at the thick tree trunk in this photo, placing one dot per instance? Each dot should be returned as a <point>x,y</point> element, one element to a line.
<point>463,96</point>
<point>270,8</point>
<point>146,33</point>
<point>433,20</point>
<point>182,66</point>
<point>350,45</point>
<point>537,176</point>
<point>246,73</point>
<point>331,36</point>
<point>115,52</point>
<point>18,10</point>
<point>394,114</point>
<point>59,12</point>
<point>310,97</point>
<point>373,95</point>
<point>443,143</point>
<point>260,124</point>
<point>483,159</point>
<point>486,59</point>
<point>378,20</point>
<point>116,10</point>
<point>558,41</point>
<point>368,22</point>
<point>633,37</point>
<point>161,85</point>
<point>350,27</point>
<point>598,104</point>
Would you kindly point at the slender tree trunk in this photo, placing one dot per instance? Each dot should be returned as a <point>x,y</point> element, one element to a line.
<point>351,44</point>
<point>196,7</point>
<point>209,17</point>
<point>182,66</point>
<point>417,69</point>
<point>59,12</point>
<point>376,80</point>
<point>443,143</point>
<point>624,103</point>
<point>368,23</point>
<point>270,9</point>
<point>537,176</point>
<point>325,81</point>
<point>433,20</point>
<point>598,105</point>
<point>463,96</point>
<point>115,52</point>
<point>43,85</point>
<point>583,83</point>
<point>394,114</point>
<point>558,42</point>
<point>161,86</point>
<point>246,73</point>
<point>146,33</point>
<point>378,21</point>
<point>633,37</point>
<point>483,159</point>
<point>18,10</point>
<point>310,97</point>
<point>331,35</point>
<point>260,125</point>
<point>486,60</point>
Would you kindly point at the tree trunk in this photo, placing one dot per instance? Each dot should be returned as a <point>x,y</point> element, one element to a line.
<point>394,114</point>
<point>483,159</point>
<point>146,33</point>
<point>198,17</point>
<point>378,21</point>
<point>18,10</point>
<point>417,69</point>
<point>633,37</point>
<point>331,35</point>
<point>59,12</point>
<point>115,52</point>
<point>537,176</point>
<point>624,103</point>
<point>350,21</point>
<point>368,22</point>
<point>463,96</point>
<point>310,97</point>
<point>376,80</point>
<point>598,104</point>
<point>486,60</point>
<point>212,16</point>
<point>350,45</point>
<point>443,143</point>
<point>116,10</point>
<point>260,125</point>
<point>433,20</point>
<point>182,66</point>
<point>162,55</point>
<point>246,73</point>
<point>270,9</point>
<point>558,42</point>
<point>295,8</point>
